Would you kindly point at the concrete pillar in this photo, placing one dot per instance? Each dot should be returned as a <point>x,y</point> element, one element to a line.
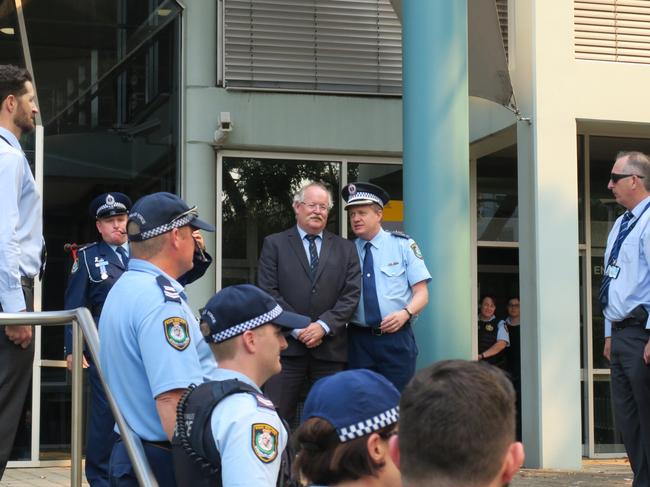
<point>436,169</point>
<point>198,171</point>
<point>548,234</point>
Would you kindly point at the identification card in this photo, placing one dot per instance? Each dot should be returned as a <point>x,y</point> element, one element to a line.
<point>612,271</point>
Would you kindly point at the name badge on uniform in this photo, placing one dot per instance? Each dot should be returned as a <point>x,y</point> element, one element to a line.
<point>612,271</point>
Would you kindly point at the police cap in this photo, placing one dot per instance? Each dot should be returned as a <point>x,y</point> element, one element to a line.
<point>361,193</point>
<point>356,402</point>
<point>160,213</point>
<point>109,204</point>
<point>236,309</point>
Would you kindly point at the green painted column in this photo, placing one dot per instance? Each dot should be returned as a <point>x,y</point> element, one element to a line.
<point>436,169</point>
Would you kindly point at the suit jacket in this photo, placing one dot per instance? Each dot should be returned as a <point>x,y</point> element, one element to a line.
<point>332,296</point>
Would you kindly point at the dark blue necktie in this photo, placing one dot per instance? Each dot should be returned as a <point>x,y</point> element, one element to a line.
<point>623,230</point>
<point>313,253</point>
<point>123,255</point>
<point>370,301</point>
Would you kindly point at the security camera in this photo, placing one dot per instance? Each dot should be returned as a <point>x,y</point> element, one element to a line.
<point>224,127</point>
<point>225,123</point>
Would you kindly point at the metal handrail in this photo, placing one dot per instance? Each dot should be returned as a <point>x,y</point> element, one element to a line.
<point>81,317</point>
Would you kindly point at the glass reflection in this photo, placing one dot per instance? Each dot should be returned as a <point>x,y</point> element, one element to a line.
<point>257,201</point>
<point>496,193</point>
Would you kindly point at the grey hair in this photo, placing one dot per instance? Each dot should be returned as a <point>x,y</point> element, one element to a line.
<point>299,196</point>
<point>639,163</point>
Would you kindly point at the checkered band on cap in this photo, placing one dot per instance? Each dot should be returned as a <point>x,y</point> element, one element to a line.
<point>114,206</point>
<point>235,330</point>
<point>368,426</point>
<point>167,227</point>
<point>362,195</point>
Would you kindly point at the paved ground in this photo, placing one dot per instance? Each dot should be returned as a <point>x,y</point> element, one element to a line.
<point>604,473</point>
<point>594,473</point>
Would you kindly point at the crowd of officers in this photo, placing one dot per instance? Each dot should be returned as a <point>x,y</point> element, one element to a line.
<point>311,289</point>
<point>209,397</point>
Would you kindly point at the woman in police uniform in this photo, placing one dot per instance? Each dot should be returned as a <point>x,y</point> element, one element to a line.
<point>347,421</point>
<point>492,335</point>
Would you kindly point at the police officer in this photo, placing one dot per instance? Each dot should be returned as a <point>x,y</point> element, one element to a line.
<point>228,434</point>
<point>394,289</point>
<point>95,269</point>
<point>348,420</point>
<point>493,336</point>
<point>93,273</point>
<point>152,347</point>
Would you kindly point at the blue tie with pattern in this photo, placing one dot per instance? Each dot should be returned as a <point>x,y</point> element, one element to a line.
<point>603,295</point>
<point>370,301</point>
<point>313,254</point>
<point>123,255</point>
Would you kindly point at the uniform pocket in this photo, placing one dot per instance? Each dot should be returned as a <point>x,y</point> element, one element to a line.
<point>394,277</point>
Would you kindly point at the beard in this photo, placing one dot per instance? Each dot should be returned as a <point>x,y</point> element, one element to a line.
<point>24,121</point>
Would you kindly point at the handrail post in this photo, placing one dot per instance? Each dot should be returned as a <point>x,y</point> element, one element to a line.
<point>77,403</point>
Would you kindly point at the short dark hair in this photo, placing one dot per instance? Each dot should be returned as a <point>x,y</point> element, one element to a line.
<point>12,80</point>
<point>457,420</point>
<point>322,459</point>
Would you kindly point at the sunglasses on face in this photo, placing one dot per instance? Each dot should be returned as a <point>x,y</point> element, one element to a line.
<point>616,177</point>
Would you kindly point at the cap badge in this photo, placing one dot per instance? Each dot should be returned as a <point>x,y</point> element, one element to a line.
<point>352,189</point>
<point>265,442</point>
<point>177,332</point>
<point>110,200</point>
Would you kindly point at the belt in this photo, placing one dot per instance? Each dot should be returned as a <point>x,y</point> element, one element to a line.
<point>27,281</point>
<point>159,444</point>
<point>626,323</point>
<point>373,330</point>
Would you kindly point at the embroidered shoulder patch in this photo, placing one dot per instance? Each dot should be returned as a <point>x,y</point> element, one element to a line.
<point>264,442</point>
<point>416,250</point>
<point>399,234</point>
<point>75,266</point>
<point>264,402</point>
<point>177,332</point>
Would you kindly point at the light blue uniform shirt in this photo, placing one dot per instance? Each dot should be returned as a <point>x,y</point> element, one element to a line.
<point>21,224</point>
<point>138,357</point>
<point>398,265</point>
<point>305,243</point>
<point>632,286</point>
<point>502,331</point>
<point>233,424</point>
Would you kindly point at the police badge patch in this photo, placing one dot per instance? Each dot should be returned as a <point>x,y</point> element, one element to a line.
<point>177,332</point>
<point>264,442</point>
<point>416,250</point>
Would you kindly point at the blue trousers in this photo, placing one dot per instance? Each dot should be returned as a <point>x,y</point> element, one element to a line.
<point>100,435</point>
<point>391,355</point>
<point>160,459</point>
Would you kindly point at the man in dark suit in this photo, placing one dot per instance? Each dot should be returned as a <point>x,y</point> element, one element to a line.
<point>313,272</point>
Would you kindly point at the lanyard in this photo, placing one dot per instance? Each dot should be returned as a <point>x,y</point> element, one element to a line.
<point>614,256</point>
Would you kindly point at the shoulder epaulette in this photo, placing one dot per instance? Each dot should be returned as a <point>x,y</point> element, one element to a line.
<point>87,246</point>
<point>170,293</point>
<point>399,234</point>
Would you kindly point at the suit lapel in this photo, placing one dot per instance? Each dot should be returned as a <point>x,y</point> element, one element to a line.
<point>296,245</point>
<point>110,255</point>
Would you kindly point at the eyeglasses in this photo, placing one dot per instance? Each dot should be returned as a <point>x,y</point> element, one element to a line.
<point>315,206</point>
<point>513,305</point>
<point>616,177</point>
